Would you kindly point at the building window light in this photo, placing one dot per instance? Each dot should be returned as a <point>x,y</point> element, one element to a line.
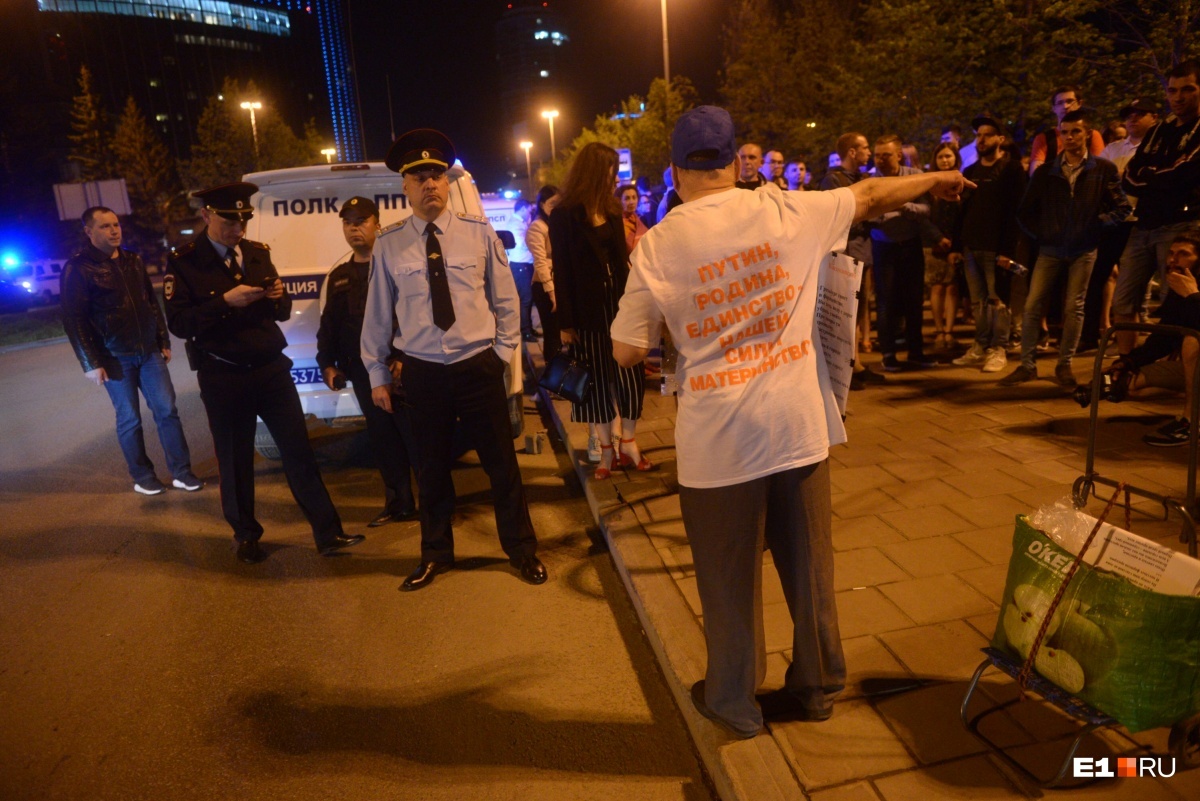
<point>154,83</point>
<point>160,117</point>
<point>545,73</point>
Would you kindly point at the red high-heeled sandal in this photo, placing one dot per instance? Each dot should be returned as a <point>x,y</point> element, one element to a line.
<point>603,473</point>
<point>625,461</point>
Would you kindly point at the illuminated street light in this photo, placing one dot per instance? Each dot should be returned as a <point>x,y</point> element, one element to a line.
<point>252,107</point>
<point>549,117</point>
<point>329,153</point>
<point>526,145</point>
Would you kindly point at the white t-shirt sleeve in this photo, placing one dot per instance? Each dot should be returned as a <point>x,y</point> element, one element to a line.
<point>639,319</point>
<point>830,213</point>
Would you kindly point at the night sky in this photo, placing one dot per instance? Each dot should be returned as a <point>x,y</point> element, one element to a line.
<point>441,60</point>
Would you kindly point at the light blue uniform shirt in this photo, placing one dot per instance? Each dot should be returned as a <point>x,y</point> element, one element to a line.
<point>486,305</point>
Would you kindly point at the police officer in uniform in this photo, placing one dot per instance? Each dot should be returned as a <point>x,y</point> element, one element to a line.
<point>225,299</point>
<point>446,279</point>
<point>339,356</point>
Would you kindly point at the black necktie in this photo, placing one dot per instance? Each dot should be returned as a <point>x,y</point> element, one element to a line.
<point>439,285</point>
<point>234,269</point>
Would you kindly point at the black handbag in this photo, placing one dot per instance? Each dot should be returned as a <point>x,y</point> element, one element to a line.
<point>566,377</point>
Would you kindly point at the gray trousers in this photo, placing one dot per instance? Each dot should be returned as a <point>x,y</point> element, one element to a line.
<point>726,527</point>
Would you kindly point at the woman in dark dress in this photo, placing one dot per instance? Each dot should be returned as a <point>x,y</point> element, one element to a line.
<point>591,264</point>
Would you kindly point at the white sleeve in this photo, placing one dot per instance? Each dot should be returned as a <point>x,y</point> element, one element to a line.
<point>827,215</point>
<point>375,341</point>
<point>639,319</point>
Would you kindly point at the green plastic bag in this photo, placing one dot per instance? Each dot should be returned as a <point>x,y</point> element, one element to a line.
<point>1129,652</point>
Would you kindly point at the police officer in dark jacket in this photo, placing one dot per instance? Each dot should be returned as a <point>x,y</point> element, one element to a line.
<point>116,327</point>
<point>339,356</point>
<point>225,298</point>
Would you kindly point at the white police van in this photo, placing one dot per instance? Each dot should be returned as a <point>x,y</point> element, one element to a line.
<point>296,215</point>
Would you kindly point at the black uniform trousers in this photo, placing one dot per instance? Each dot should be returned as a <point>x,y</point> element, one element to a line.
<point>899,269</point>
<point>233,398</point>
<point>472,391</point>
<point>391,440</point>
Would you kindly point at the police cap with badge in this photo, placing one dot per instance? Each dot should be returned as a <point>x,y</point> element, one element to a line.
<point>360,207</point>
<point>420,148</point>
<point>231,201</point>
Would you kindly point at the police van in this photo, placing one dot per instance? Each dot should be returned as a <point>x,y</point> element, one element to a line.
<point>296,214</point>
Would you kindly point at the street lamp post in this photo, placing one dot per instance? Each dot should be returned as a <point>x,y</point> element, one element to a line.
<point>666,49</point>
<point>549,117</point>
<point>329,153</point>
<point>526,145</point>
<point>252,107</point>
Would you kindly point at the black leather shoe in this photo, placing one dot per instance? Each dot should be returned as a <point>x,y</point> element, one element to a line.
<point>386,517</point>
<point>531,570</point>
<point>423,576</point>
<point>250,553</point>
<point>339,542</point>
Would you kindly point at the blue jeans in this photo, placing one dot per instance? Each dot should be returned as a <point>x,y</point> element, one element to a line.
<point>991,315</point>
<point>149,374</point>
<point>1045,274</point>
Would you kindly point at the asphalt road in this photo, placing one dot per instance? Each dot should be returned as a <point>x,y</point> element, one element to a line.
<point>140,660</point>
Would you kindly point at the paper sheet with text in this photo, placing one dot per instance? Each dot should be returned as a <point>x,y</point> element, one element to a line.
<point>838,282</point>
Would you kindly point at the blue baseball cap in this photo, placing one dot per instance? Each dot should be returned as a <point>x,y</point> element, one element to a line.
<point>704,139</point>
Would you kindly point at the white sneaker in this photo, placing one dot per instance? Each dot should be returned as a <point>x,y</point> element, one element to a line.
<point>974,356</point>
<point>593,450</point>
<point>995,361</point>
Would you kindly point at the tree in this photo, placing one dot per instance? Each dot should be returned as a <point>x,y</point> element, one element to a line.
<point>148,172</point>
<point>224,150</point>
<point>89,133</point>
<point>642,124</point>
<point>800,72</point>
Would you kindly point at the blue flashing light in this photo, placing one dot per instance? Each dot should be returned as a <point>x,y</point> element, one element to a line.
<point>10,260</point>
<point>27,285</point>
<point>509,194</point>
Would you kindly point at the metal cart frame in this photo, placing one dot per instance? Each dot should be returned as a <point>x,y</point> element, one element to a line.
<point>1085,485</point>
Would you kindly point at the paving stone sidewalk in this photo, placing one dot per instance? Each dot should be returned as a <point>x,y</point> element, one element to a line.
<point>924,497</point>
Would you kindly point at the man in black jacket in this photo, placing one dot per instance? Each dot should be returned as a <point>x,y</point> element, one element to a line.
<point>986,238</point>
<point>1065,205</point>
<point>1164,175</point>
<point>339,355</point>
<point>225,298</point>
<point>116,327</point>
<point>1165,360</point>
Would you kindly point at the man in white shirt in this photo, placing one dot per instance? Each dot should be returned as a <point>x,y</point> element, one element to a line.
<point>733,275</point>
<point>444,279</point>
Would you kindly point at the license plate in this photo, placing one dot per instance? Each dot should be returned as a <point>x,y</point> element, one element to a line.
<point>306,375</point>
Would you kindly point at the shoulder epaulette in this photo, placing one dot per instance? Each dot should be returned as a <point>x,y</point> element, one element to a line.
<point>253,244</point>
<point>183,251</point>
<point>396,226</point>
<point>475,218</point>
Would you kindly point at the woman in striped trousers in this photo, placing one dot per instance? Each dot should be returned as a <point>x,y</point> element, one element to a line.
<point>591,264</point>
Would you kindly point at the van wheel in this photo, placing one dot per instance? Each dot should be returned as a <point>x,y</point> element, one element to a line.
<point>264,443</point>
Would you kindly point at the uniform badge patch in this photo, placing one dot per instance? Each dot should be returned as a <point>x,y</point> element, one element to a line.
<point>169,287</point>
<point>501,253</point>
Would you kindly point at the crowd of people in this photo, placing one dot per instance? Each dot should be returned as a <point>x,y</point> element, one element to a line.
<point>436,307</point>
<point>1063,239</point>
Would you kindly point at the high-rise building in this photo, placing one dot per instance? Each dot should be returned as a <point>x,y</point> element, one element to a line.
<point>529,42</point>
<point>170,56</point>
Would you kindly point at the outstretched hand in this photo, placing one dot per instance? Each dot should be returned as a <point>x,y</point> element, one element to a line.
<point>950,185</point>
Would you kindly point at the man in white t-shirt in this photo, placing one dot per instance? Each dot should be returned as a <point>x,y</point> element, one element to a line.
<point>733,275</point>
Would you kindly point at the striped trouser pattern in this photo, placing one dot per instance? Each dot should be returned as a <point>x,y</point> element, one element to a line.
<point>610,381</point>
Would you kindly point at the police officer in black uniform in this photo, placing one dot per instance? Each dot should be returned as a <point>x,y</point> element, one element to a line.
<point>225,299</point>
<point>339,356</point>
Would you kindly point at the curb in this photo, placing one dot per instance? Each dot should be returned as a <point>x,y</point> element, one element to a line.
<point>741,770</point>
<point>35,344</point>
